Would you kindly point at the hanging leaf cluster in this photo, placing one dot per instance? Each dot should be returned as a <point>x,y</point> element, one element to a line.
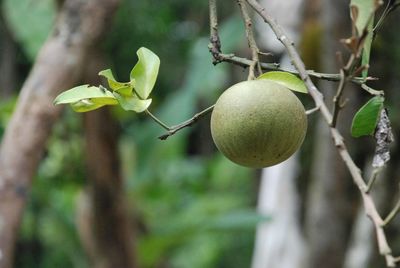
<point>131,96</point>
<point>362,14</point>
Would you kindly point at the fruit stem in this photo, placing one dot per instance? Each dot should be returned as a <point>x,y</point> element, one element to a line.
<point>158,121</point>
<point>172,130</point>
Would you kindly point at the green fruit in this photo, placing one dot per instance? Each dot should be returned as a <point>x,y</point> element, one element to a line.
<point>258,123</point>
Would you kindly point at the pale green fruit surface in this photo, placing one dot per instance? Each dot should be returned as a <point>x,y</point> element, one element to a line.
<point>258,123</point>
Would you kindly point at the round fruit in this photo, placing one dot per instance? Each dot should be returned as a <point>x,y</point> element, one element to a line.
<point>258,123</point>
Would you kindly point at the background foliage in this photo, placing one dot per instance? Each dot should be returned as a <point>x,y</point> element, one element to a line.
<point>194,208</point>
<point>190,206</point>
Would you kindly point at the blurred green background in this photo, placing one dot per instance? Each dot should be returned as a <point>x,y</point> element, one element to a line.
<point>194,208</point>
<point>189,206</point>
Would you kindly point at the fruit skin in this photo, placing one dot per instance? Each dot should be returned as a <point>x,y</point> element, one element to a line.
<point>258,123</point>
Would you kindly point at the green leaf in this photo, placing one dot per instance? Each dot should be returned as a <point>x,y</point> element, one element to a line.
<point>30,22</point>
<point>362,14</point>
<point>286,79</point>
<point>124,88</point>
<point>145,72</point>
<point>365,120</point>
<point>85,92</point>
<point>132,103</point>
<point>367,49</point>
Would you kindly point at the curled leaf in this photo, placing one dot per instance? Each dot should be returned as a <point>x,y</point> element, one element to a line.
<point>145,72</point>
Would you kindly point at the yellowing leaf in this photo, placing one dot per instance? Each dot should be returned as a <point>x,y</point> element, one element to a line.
<point>124,88</point>
<point>81,93</point>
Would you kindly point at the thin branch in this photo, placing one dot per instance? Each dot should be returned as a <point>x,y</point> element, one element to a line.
<point>346,74</point>
<point>215,43</point>
<point>372,180</point>
<point>172,130</point>
<point>391,6</point>
<point>372,91</point>
<point>369,205</point>
<point>243,62</point>
<point>397,259</point>
<point>392,214</point>
<point>313,110</point>
<point>158,121</point>
<point>251,41</point>
<point>348,71</point>
<point>337,98</point>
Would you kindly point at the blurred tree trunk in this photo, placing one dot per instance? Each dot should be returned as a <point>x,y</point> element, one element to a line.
<point>79,27</point>
<point>8,64</point>
<point>326,218</point>
<point>327,209</point>
<point>103,217</point>
<point>104,222</point>
<point>279,243</point>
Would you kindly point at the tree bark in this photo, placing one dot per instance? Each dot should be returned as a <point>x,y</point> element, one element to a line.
<point>8,63</point>
<point>279,242</point>
<point>325,210</point>
<point>103,217</point>
<point>328,214</point>
<point>104,222</point>
<point>80,25</point>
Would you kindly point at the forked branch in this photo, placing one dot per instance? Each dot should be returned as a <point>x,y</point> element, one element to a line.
<point>369,205</point>
<point>172,130</point>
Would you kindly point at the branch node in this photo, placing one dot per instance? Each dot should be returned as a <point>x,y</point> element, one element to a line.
<point>174,129</point>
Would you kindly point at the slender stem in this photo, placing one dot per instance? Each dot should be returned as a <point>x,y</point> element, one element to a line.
<point>346,73</point>
<point>392,214</point>
<point>215,44</point>
<point>368,202</point>
<point>372,91</point>
<point>337,98</point>
<point>313,110</point>
<point>158,121</point>
<point>172,130</point>
<point>243,62</point>
<point>372,180</point>
<point>388,9</point>
<point>382,18</point>
<point>251,42</point>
